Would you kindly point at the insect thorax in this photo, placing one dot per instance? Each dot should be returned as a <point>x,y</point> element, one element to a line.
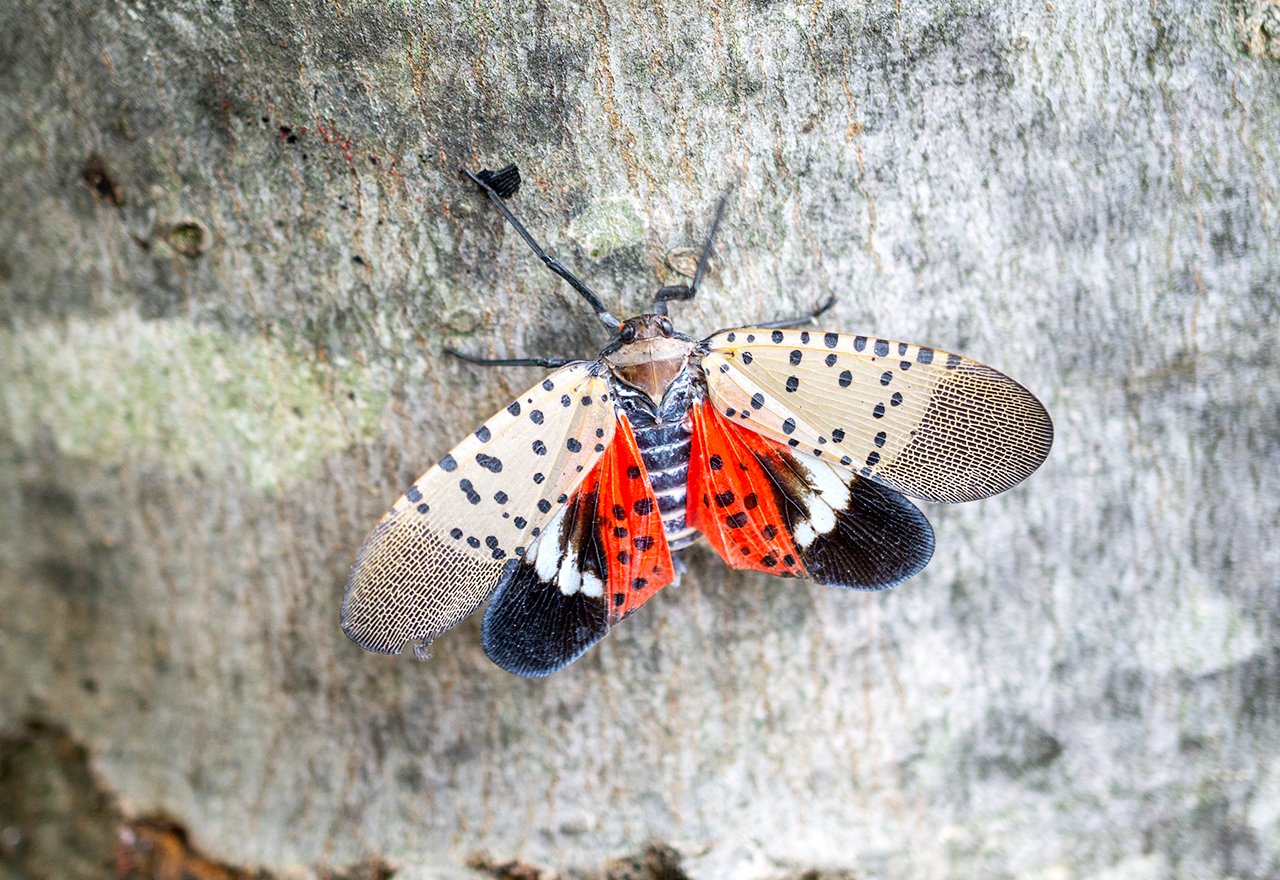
<point>648,355</point>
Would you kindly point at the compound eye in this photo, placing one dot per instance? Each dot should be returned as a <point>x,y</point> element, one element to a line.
<point>664,325</point>
<point>627,333</point>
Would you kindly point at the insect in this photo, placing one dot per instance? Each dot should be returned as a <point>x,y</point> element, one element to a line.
<point>790,451</point>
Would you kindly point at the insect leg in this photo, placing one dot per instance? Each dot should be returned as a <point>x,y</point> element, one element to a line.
<point>689,291</point>
<point>802,319</point>
<point>511,362</point>
<point>509,179</point>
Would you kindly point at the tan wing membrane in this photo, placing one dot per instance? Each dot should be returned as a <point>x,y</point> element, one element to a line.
<point>923,422</point>
<point>410,585</point>
<point>440,551</point>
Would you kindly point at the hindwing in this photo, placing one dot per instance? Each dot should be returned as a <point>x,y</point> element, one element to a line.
<point>764,506</point>
<point>601,557</point>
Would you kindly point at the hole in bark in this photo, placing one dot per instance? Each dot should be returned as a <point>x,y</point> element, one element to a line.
<point>98,177</point>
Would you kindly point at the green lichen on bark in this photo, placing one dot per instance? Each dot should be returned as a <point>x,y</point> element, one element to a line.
<point>121,389</point>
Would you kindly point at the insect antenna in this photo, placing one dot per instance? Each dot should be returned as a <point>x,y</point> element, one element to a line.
<point>509,362</point>
<point>503,183</point>
<point>677,292</point>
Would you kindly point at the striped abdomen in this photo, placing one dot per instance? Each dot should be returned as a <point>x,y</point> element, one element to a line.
<point>664,449</point>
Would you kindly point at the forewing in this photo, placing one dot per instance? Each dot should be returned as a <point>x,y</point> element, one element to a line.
<point>933,425</point>
<point>765,506</point>
<point>601,557</point>
<point>442,548</point>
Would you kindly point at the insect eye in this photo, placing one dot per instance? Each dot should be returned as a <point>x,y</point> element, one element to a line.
<point>664,324</point>
<point>627,333</point>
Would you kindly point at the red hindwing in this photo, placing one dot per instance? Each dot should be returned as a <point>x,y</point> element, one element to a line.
<point>630,526</point>
<point>733,500</point>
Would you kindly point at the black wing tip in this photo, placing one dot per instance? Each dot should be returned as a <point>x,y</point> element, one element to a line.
<point>523,665</point>
<point>504,182</point>
<point>881,540</point>
<point>525,657</point>
<point>531,629</point>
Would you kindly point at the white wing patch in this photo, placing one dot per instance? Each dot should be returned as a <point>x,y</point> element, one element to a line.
<point>441,549</point>
<point>923,422</point>
<point>830,493</point>
<point>556,561</point>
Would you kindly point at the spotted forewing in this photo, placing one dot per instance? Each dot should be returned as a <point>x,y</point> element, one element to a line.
<point>929,424</point>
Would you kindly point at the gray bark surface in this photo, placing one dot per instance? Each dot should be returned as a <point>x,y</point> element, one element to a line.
<point>233,243</point>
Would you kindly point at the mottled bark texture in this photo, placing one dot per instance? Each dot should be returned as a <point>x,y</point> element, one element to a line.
<point>233,243</point>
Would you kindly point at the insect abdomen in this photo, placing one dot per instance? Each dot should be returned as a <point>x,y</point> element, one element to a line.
<point>664,449</point>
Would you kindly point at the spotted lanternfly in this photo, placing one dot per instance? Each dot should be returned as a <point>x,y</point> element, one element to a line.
<point>789,450</point>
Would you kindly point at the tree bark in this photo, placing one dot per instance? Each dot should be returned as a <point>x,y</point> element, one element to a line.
<point>234,242</point>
